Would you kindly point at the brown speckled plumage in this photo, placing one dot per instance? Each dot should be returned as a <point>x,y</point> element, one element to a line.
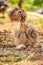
<point>26,35</point>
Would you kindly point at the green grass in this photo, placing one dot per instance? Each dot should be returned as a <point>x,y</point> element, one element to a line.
<point>28,4</point>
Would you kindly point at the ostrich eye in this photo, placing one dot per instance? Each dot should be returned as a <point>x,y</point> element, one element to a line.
<point>20,12</point>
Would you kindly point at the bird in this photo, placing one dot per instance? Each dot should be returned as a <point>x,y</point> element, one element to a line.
<point>3,6</point>
<point>18,13</point>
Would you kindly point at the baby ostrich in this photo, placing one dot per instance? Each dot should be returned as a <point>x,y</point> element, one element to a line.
<point>18,14</point>
<point>3,6</point>
<point>26,34</point>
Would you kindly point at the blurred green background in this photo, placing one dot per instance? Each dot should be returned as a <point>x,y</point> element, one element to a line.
<point>30,5</point>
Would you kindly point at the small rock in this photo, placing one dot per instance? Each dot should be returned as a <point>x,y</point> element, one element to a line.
<point>21,46</point>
